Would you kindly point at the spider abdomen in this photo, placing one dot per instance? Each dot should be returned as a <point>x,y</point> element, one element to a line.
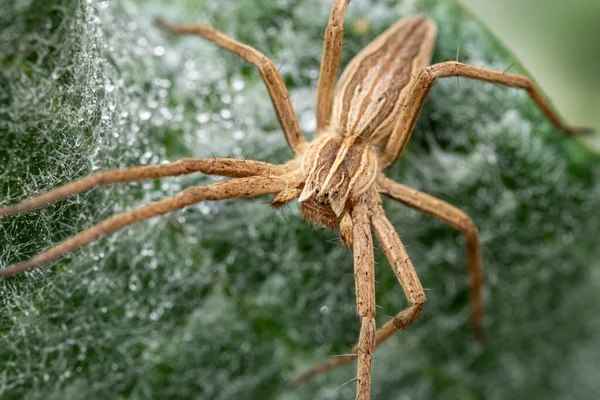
<point>372,89</point>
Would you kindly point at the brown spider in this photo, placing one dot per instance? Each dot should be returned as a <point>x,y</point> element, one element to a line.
<point>362,128</point>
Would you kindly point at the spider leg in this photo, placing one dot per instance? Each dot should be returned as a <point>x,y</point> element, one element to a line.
<point>457,219</point>
<point>403,268</point>
<point>422,85</point>
<point>273,81</point>
<point>231,189</point>
<point>346,231</point>
<point>405,272</point>
<point>330,62</point>
<point>364,276</point>
<point>214,166</point>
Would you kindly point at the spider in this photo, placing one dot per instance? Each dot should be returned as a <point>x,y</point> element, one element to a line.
<point>363,124</point>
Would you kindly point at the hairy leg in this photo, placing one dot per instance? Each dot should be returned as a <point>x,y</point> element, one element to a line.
<point>457,219</point>
<point>214,166</point>
<point>235,188</point>
<point>405,272</point>
<point>273,81</point>
<point>400,262</point>
<point>364,276</point>
<point>422,85</point>
<point>330,62</point>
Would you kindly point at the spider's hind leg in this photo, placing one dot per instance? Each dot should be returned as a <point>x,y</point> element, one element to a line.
<point>330,62</point>
<point>271,77</point>
<point>421,86</point>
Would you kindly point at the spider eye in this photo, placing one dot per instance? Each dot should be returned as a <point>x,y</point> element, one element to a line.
<point>317,190</point>
<point>326,194</point>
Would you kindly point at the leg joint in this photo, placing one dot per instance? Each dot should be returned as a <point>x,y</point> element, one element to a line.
<point>427,75</point>
<point>470,227</point>
<point>419,301</point>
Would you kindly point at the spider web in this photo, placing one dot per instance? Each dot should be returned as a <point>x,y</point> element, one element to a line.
<point>228,300</point>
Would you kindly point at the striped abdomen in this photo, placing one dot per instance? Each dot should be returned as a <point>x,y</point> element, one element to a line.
<point>370,92</point>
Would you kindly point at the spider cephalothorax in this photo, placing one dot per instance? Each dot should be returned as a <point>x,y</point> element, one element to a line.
<point>337,170</point>
<point>338,177</point>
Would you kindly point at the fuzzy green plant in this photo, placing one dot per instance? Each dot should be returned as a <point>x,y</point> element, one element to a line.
<point>229,300</point>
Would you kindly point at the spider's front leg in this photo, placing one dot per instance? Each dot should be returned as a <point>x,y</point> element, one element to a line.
<point>365,286</point>
<point>364,275</point>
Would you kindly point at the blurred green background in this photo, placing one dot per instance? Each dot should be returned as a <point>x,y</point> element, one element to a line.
<point>558,42</point>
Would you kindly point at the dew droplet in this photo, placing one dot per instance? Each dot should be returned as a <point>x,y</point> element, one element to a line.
<point>238,134</point>
<point>225,113</point>
<point>237,83</point>
<point>202,118</point>
<point>145,115</point>
<point>134,283</point>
